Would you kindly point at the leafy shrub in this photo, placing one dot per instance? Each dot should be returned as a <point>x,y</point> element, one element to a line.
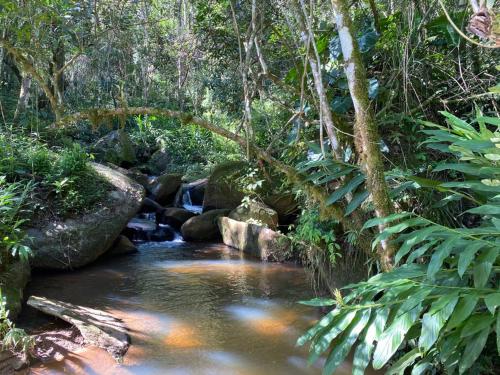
<point>12,338</point>
<point>313,232</point>
<point>12,199</point>
<point>440,306</point>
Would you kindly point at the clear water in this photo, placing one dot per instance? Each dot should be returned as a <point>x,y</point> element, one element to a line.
<point>191,309</point>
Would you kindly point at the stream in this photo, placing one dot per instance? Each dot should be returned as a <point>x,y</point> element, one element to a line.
<point>191,309</point>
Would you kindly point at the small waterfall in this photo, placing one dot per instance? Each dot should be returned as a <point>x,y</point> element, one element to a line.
<point>187,203</point>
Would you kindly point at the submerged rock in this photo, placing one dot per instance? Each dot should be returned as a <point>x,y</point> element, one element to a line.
<point>165,188</point>
<point>203,227</point>
<point>255,213</point>
<point>122,246</point>
<point>256,240</point>
<point>220,191</point>
<point>97,327</point>
<point>78,241</point>
<point>175,217</point>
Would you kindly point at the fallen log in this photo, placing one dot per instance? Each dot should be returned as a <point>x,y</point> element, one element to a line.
<point>97,327</point>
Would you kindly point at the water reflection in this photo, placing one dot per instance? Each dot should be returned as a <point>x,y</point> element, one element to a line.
<point>190,310</point>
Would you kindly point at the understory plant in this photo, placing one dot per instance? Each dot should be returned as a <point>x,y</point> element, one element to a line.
<point>12,248</point>
<point>438,308</point>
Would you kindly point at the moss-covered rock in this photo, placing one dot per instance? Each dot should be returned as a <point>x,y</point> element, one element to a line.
<point>165,188</point>
<point>115,147</point>
<point>78,241</point>
<point>221,192</point>
<point>255,213</point>
<point>13,283</point>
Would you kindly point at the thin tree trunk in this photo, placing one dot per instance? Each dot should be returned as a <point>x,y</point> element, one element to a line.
<point>24,95</point>
<point>367,138</point>
<point>326,117</point>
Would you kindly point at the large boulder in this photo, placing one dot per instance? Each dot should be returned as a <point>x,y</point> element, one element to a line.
<point>285,205</point>
<point>12,283</point>
<point>175,216</point>
<point>221,191</point>
<point>115,147</point>
<point>256,240</point>
<point>203,227</point>
<point>159,162</point>
<point>253,212</point>
<point>78,241</point>
<point>165,187</point>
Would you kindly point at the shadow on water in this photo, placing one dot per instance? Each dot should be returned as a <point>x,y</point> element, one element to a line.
<point>191,309</point>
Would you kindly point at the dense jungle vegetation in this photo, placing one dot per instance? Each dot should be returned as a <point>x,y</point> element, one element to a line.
<point>381,117</point>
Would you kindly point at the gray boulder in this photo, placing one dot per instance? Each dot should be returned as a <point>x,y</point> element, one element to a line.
<point>115,147</point>
<point>203,227</point>
<point>78,241</point>
<point>220,191</point>
<point>165,187</point>
<point>159,162</point>
<point>253,212</point>
<point>255,240</point>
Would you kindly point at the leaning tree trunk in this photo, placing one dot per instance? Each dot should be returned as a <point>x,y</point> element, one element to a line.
<point>24,95</point>
<point>367,138</point>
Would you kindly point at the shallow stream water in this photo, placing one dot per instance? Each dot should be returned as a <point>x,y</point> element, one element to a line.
<point>191,309</point>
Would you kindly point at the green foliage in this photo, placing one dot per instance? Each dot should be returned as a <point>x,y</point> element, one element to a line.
<point>12,338</point>
<point>441,304</point>
<point>12,200</point>
<point>314,232</point>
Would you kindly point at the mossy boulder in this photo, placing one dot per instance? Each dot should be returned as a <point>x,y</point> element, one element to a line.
<point>255,213</point>
<point>115,147</point>
<point>165,188</point>
<point>255,240</point>
<point>203,227</point>
<point>13,283</point>
<point>79,240</point>
<point>159,162</point>
<point>221,191</point>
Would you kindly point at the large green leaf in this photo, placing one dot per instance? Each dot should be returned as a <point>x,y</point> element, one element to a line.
<point>484,264</point>
<point>404,362</point>
<point>342,348</point>
<point>434,320</point>
<point>342,321</point>
<point>492,301</point>
<point>473,349</point>
<point>463,310</point>
<point>373,331</point>
<point>356,201</point>
<point>393,337</point>
<point>346,189</point>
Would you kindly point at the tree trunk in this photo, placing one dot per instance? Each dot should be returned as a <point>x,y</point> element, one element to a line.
<point>367,138</point>
<point>24,95</point>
